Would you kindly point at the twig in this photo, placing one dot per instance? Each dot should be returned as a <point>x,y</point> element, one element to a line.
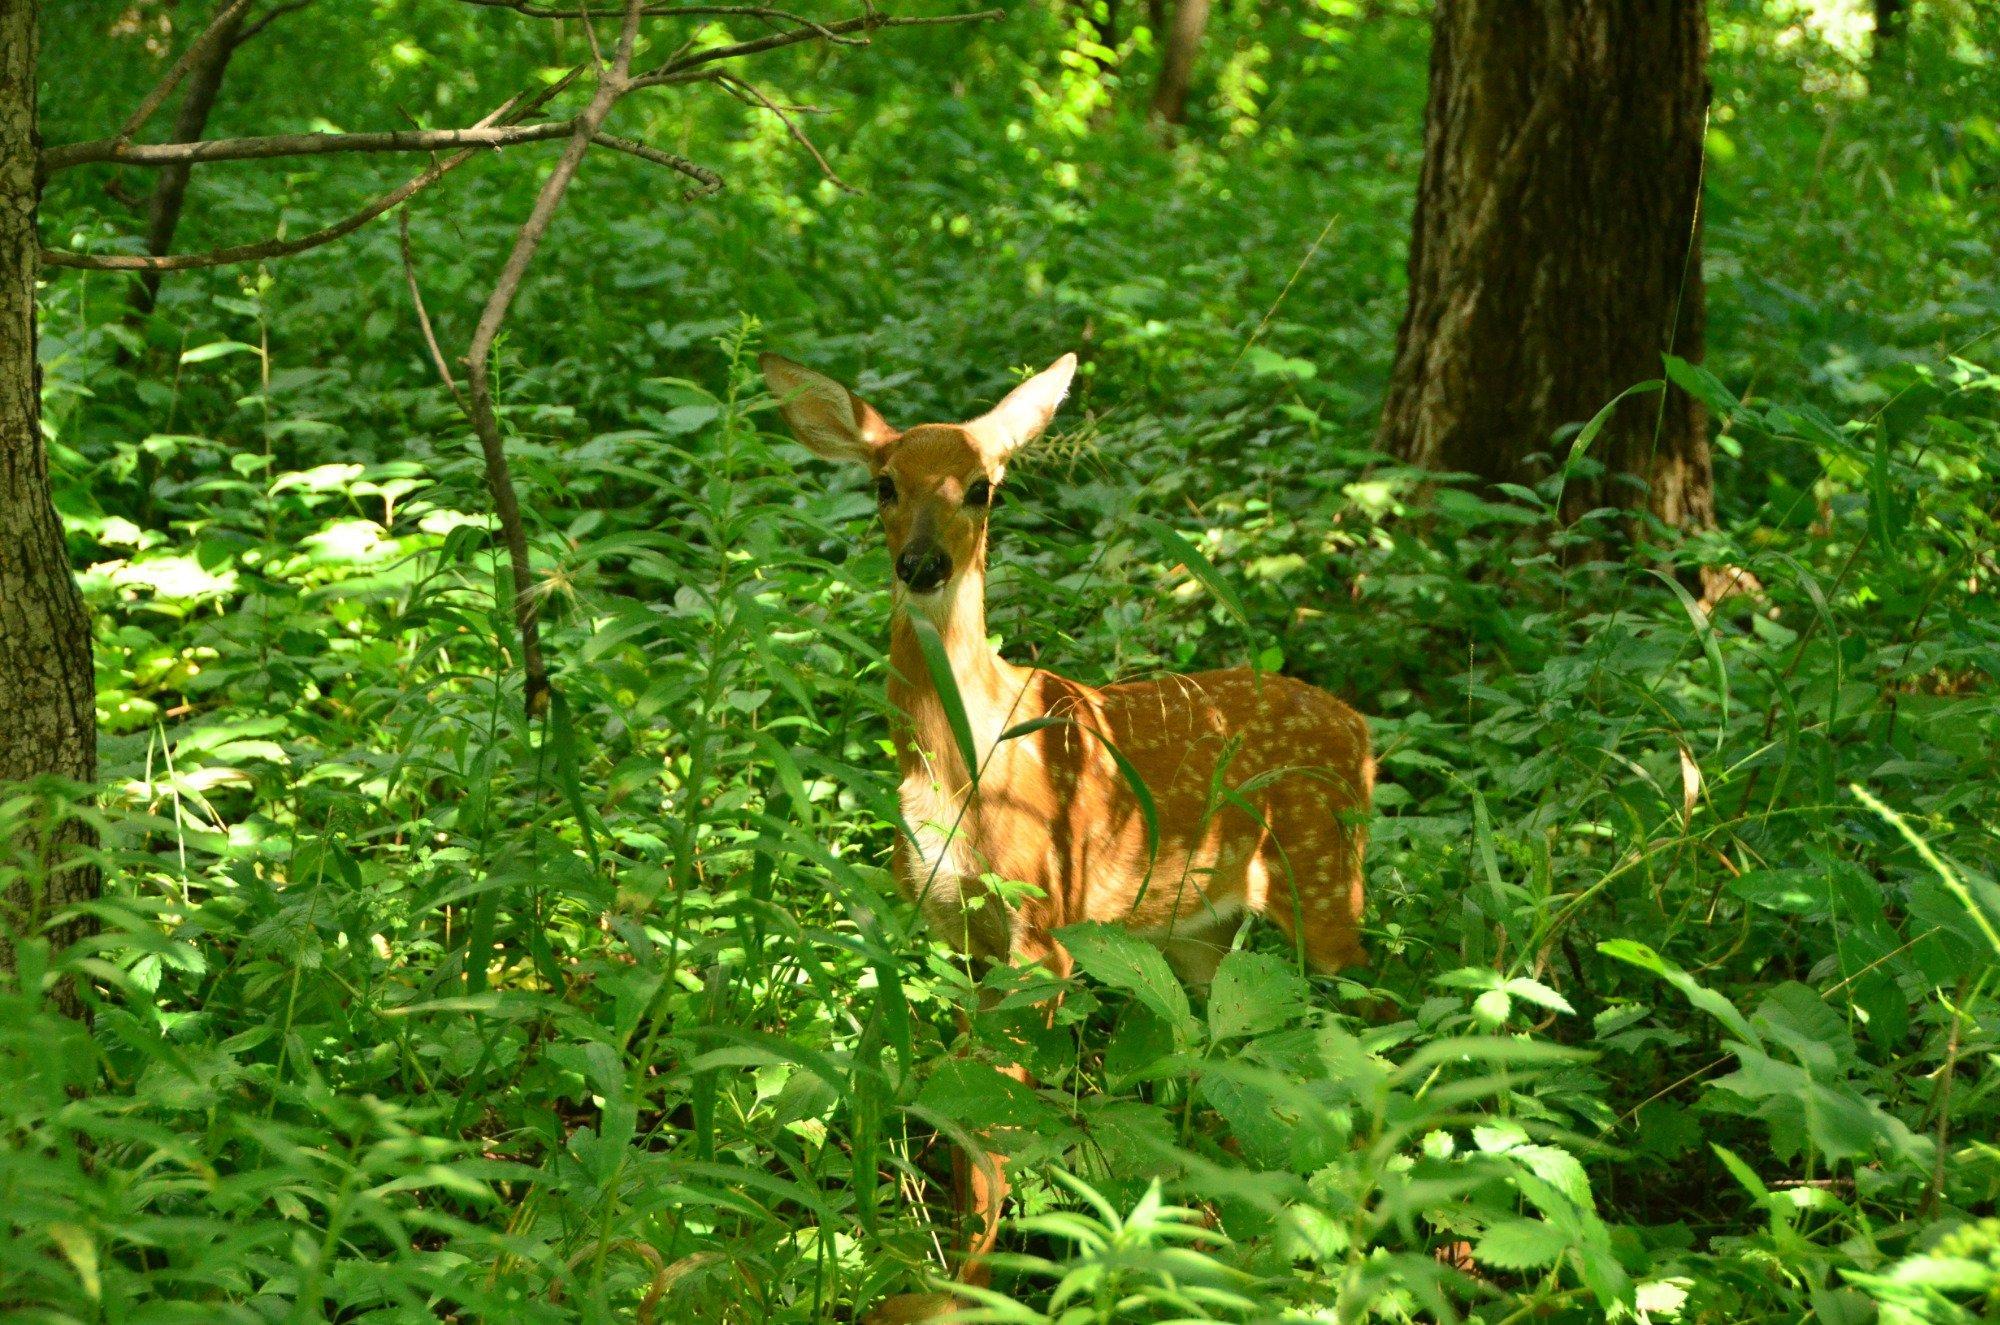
<point>199,90</point>
<point>709,183</point>
<point>150,105</point>
<point>258,252</point>
<point>791,127</point>
<point>763,12</point>
<point>723,81</point>
<point>423,315</point>
<point>611,85</point>
<point>677,70</point>
<point>253,29</point>
<point>71,155</point>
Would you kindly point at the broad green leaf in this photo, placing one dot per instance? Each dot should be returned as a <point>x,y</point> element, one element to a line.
<point>1704,386</point>
<point>1116,957</point>
<point>1520,1244</point>
<point>1254,992</point>
<point>980,1095</point>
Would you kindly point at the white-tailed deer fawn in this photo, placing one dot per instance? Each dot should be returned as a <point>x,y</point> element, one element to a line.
<point>1260,784</point>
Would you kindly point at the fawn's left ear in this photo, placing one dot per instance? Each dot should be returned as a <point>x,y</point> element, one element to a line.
<point>1021,417</point>
<point>831,421</point>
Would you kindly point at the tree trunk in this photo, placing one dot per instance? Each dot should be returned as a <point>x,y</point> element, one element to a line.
<point>1890,18</point>
<point>163,212</point>
<point>1556,250</point>
<point>47,699</point>
<point>1183,38</point>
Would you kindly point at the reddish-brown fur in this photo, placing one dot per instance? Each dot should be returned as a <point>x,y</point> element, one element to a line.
<point>1261,784</point>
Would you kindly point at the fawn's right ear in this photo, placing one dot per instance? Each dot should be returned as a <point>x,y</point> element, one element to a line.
<point>828,419</point>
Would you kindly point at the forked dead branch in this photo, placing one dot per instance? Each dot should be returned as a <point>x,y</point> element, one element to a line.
<point>514,123</point>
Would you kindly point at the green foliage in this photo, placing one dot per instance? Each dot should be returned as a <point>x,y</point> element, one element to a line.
<point>1682,1000</point>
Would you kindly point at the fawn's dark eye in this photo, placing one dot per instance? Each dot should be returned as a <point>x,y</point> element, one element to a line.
<point>885,489</point>
<point>979,493</point>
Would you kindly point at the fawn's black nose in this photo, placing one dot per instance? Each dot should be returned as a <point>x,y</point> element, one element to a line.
<point>923,569</point>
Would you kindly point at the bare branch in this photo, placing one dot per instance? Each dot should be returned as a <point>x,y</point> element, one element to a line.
<point>681,68</point>
<point>199,90</point>
<point>611,85</point>
<point>298,144</point>
<point>708,182</point>
<point>725,81</point>
<point>267,20</point>
<point>258,252</point>
<point>278,248</point>
<point>423,314</point>
<point>763,12</point>
<point>225,17</point>
<point>791,126</point>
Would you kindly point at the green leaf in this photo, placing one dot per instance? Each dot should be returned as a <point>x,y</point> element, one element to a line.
<point>1253,993</point>
<point>1179,549</point>
<point>1520,1244</point>
<point>1704,629</point>
<point>1945,872</point>
<point>979,1095</point>
<point>1743,1173</point>
<point>1787,891</point>
<point>939,666</point>
<point>1116,957</point>
<point>1534,991</point>
<point>1635,953</point>
<point>216,350</point>
<point>1588,433</point>
<point>1703,385</point>
<point>1492,1007</point>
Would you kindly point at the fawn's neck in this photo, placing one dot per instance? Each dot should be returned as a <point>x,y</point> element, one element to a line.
<point>987,685</point>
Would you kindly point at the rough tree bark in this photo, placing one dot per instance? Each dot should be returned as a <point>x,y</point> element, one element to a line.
<point>47,692</point>
<point>1183,39</point>
<point>1556,247</point>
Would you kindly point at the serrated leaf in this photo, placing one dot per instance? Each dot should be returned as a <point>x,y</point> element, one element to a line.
<point>1254,992</point>
<point>1520,1244</point>
<point>1534,991</point>
<point>1116,957</point>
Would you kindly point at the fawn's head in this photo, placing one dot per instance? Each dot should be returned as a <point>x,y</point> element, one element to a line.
<point>934,483</point>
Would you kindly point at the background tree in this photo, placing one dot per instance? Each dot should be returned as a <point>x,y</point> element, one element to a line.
<point>48,720</point>
<point>1556,252</point>
<point>1179,44</point>
<point>1891,17</point>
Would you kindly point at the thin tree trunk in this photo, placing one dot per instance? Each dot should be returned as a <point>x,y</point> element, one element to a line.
<point>1183,39</point>
<point>1556,248</point>
<point>47,698</point>
<point>163,212</point>
<point>1891,16</point>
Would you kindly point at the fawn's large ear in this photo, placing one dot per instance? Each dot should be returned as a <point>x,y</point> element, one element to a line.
<point>1021,417</point>
<point>828,419</point>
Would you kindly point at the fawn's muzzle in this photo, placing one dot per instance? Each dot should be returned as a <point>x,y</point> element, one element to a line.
<point>923,569</point>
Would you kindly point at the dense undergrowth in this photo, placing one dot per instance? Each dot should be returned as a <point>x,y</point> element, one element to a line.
<point>1683,999</point>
